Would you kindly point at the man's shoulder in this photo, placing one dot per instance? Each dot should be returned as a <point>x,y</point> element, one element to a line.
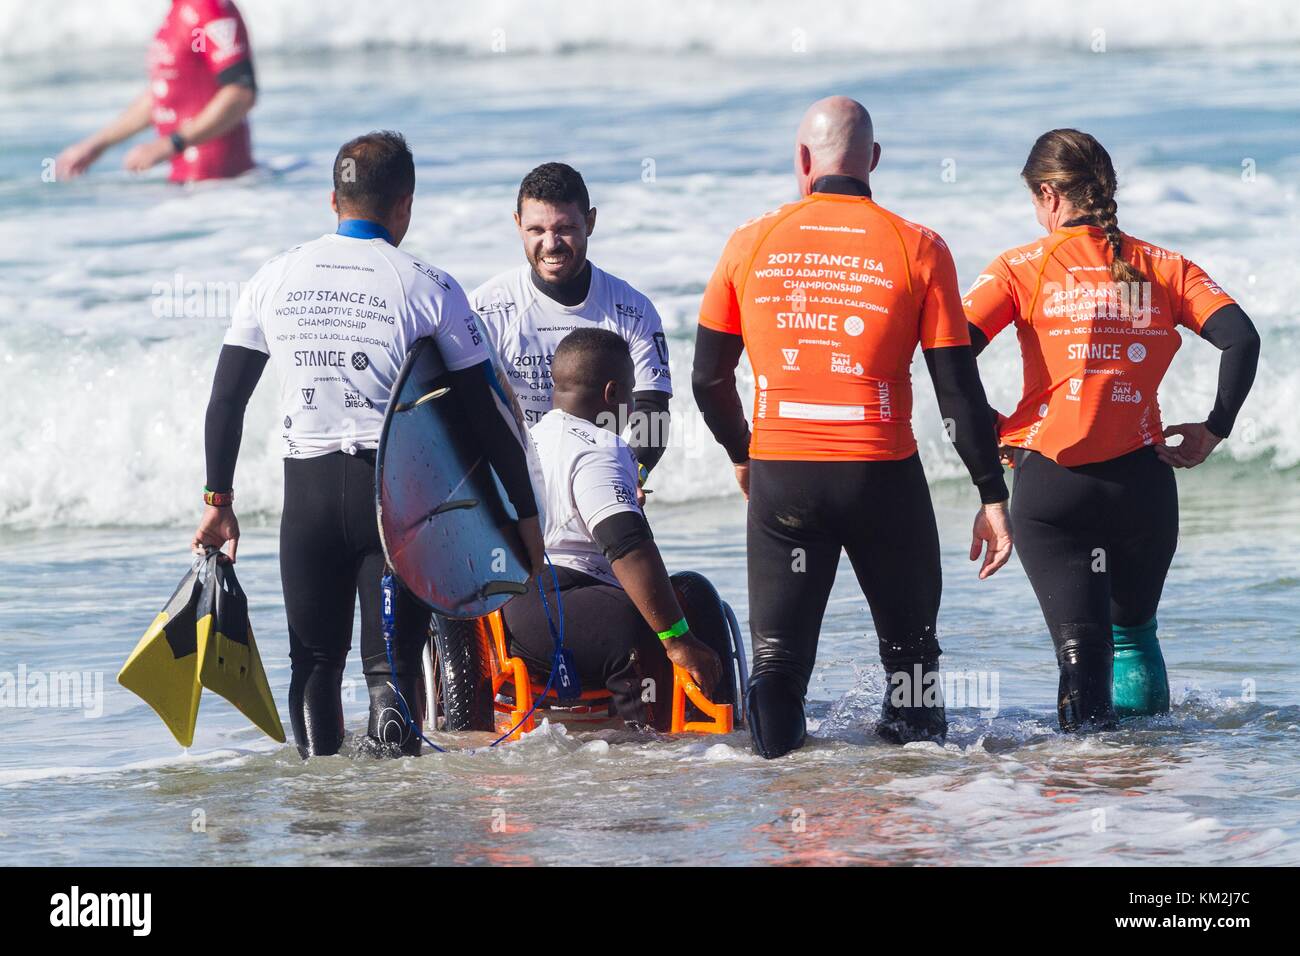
<point>627,302</point>
<point>416,273</point>
<point>917,236</point>
<point>503,294</point>
<point>580,437</point>
<point>278,265</point>
<point>751,230</point>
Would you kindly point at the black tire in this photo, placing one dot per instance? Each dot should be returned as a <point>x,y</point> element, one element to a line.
<point>704,613</point>
<point>461,675</point>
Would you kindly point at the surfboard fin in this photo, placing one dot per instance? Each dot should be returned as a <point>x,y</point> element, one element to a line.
<point>229,664</point>
<point>493,588</point>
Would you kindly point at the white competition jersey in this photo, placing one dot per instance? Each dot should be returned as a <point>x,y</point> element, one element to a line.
<point>525,326</point>
<point>337,316</point>
<point>590,474</point>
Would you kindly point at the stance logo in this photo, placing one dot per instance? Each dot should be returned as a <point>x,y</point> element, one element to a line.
<point>360,361</point>
<point>1137,352</point>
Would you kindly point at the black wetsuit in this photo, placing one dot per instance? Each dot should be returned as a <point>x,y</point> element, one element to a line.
<point>330,556</point>
<point>803,513</point>
<point>1097,540</point>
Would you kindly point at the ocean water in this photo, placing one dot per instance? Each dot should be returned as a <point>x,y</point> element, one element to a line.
<point>114,292</point>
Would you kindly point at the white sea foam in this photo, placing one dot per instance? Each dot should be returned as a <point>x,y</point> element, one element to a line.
<point>758,27</point>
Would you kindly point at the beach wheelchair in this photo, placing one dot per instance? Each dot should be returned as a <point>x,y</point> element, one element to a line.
<point>472,682</point>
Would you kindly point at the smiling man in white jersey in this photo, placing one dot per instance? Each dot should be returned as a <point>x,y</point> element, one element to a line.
<point>337,316</point>
<point>529,309</point>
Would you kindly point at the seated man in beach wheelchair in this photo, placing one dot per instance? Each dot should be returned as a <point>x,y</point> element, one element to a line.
<point>649,650</point>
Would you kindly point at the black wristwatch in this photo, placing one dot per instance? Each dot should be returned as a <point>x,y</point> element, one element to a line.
<point>178,143</point>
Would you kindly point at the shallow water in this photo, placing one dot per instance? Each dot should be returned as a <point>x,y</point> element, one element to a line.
<point>104,397</point>
<point>1214,782</point>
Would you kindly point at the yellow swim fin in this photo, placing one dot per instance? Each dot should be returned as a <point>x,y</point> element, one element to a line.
<point>163,669</point>
<point>228,662</point>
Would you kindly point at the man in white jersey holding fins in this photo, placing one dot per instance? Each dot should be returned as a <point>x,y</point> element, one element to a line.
<point>527,310</point>
<point>336,316</point>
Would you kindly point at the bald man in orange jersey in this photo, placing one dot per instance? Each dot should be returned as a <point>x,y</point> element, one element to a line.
<point>831,295</point>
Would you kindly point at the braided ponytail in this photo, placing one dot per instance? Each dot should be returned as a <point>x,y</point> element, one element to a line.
<point>1080,169</point>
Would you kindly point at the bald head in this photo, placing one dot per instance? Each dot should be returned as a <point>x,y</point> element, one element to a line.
<point>834,138</point>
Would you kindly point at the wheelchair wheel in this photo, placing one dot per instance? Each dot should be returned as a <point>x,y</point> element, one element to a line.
<point>458,681</point>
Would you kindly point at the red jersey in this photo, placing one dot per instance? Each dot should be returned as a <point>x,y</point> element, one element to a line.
<point>832,295</point>
<point>201,45</point>
<point>1094,354</point>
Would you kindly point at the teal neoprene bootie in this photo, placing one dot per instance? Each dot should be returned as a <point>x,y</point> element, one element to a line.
<point>1141,686</point>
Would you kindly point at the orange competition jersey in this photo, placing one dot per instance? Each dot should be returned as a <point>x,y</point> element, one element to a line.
<point>832,295</point>
<point>1094,355</point>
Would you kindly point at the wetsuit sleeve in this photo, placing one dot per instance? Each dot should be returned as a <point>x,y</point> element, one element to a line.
<point>990,303</point>
<point>1199,297</point>
<point>966,412</point>
<point>649,348</point>
<point>1230,330</point>
<point>713,379</point>
<point>238,371</point>
<point>943,324</point>
<point>482,398</point>
<point>620,533</point>
<point>221,39</point>
<point>648,437</point>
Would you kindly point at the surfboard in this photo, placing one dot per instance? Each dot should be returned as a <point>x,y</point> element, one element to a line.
<point>446,523</point>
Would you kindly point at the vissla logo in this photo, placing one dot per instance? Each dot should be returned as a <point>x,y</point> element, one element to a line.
<point>307,395</point>
<point>1075,385</point>
<point>790,355</point>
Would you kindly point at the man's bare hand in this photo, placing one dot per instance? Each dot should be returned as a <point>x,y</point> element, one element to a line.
<point>77,158</point>
<point>697,659</point>
<point>217,526</point>
<point>742,478</point>
<point>992,529</point>
<point>147,155</point>
<point>1198,441</point>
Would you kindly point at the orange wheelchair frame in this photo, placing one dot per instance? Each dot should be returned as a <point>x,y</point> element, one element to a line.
<point>515,693</point>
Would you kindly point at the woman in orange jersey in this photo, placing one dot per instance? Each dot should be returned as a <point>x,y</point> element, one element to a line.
<point>1095,506</point>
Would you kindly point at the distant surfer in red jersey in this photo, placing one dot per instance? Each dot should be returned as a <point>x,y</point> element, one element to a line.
<point>201,88</point>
